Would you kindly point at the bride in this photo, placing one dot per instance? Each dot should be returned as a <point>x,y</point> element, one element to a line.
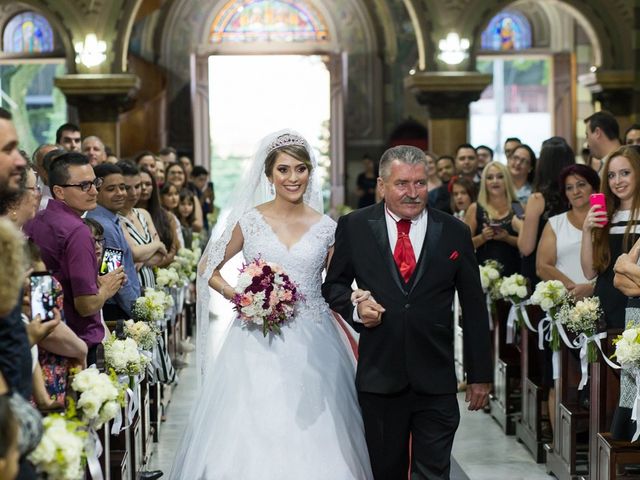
<point>281,406</point>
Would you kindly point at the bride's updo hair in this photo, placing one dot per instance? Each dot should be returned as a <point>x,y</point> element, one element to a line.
<point>296,151</point>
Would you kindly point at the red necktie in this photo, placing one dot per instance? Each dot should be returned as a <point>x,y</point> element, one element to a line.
<point>403,253</point>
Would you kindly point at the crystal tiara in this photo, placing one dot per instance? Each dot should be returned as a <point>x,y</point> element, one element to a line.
<point>285,140</point>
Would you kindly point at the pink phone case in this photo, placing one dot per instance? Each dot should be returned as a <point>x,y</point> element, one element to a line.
<point>599,200</point>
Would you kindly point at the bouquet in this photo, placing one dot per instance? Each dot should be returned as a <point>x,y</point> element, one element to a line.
<point>582,319</point>
<point>168,277</point>
<point>628,348</point>
<point>123,356</point>
<point>61,451</point>
<point>514,289</point>
<point>100,396</point>
<point>152,306</point>
<point>550,296</point>
<point>142,332</point>
<point>265,295</point>
<point>490,278</point>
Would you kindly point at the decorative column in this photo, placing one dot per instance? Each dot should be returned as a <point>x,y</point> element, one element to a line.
<point>613,90</point>
<point>100,98</point>
<point>447,96</point>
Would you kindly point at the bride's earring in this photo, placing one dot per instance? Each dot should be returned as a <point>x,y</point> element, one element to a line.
<point>271,189</point>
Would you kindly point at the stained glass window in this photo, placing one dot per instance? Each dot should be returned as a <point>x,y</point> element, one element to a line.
<point>507,31</point>
<point>268,21</point>
<point>28,32</point>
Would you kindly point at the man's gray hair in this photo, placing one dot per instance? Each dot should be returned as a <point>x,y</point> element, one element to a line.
<point>403,153</point>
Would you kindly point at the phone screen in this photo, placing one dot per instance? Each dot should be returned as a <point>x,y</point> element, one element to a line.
<point>43,296</point>
<point>111,260</point>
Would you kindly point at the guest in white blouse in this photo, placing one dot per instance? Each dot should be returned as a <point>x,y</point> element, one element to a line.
<point>559,247</point>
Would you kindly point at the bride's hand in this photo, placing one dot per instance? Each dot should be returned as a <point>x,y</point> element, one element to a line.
<point>360,295</point>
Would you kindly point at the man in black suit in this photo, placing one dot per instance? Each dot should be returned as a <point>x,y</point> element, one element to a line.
<point>406,380</point>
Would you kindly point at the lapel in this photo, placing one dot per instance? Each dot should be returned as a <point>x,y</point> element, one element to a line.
<point>434,232</point>
<point>378,226</point>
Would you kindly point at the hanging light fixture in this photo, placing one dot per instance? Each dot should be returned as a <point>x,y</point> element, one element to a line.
<point>453,49</point>
<point>91,52</point>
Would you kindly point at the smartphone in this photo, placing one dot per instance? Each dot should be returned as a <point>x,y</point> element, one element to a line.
<point>43,296</point>
<point>111,260</point>
<point>599,200</point>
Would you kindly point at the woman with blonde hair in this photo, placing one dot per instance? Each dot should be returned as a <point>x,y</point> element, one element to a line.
<point>490,219</point>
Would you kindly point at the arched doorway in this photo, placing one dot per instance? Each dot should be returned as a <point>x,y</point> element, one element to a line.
<point>536,52</point>
<point>266,65</point>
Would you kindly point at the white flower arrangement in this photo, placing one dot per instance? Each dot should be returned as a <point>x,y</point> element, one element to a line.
<point>124,356</point>
<point>549,294</point>
<point>514,288</point>
<point>100,396</point>
<point>142,332</point>
<point>628,348</point>
<point>582,319</point>
<point>61,451</point>
<point>489,273</point>
<point>168,277</point>
<point>152,306</point>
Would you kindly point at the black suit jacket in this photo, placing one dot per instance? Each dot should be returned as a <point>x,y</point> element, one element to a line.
<point>413,346</point>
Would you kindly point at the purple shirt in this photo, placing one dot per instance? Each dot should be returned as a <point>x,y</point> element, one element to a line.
<point>68,251</point>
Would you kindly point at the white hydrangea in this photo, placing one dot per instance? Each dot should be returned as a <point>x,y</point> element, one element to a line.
<point>60,452</point>
<point>628,348</point>
<point>98,396</point>
<point>514,287</point>
<point>549,294</point>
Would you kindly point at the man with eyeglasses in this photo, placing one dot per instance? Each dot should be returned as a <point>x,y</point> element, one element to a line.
<point>111,198</point>
<point>68,250</point>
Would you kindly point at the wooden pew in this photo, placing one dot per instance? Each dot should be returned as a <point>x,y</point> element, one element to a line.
<point>529,426</point>
<point>606,453</point>
<point>566,458</point>
<point>505,401</point>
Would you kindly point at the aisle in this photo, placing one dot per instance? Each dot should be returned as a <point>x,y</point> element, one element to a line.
<point>484,452</point>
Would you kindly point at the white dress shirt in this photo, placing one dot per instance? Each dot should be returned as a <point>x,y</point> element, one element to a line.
<point>417,234</point>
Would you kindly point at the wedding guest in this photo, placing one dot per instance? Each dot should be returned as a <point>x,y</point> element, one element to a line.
<point>186,215</point>
<point>366,183</point>
<point>463,194</point>
<point>485,155</point>
<point>433,180</point>
<point>440,198</point>
<point>160,172</point>
<point>170,199</point>
<point>490,218</point>
<point>558,255</point>
<point>25,206</point>
<point>187,165</point>
<point>522,164</point>
<point>545,202</point>
<point>147,160</point>
<point>111,199</point>
<point>162,220</point>
<point>177,176</point>
<point>138,228</point>
<point>41,171</point>
<point>67,247</point>
<point>603,243</point>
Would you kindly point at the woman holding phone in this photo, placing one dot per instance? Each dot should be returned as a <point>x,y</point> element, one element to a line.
<point>490,219</point>
<point>610,232</point>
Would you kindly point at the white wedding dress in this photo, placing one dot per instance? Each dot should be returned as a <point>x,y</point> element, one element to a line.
<point>284,406</point>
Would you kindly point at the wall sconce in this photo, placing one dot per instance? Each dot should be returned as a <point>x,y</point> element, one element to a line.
<point>91,52</point>
<point>453,49</point>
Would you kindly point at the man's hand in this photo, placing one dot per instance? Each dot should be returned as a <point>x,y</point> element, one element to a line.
<point>111,282</point>
<point>370,312</point>
<point>477,395</point>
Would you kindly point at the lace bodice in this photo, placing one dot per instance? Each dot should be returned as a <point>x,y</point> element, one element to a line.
<point>303,262</point>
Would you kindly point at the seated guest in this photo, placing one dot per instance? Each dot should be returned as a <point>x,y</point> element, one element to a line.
<point>67,247</point>
<point>111,198</point>
<point>439,198</point>
<point>545,202</point>
<point>522,164</point>
<point>138,228</point>
<point>558,256</point>
<point>490,219</point>
<point>463,194</point>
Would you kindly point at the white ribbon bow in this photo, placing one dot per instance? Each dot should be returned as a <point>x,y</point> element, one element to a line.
<point>513,315</point>
<point>489,310</point>
<point>636,408</point>
<point>93,449</point>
